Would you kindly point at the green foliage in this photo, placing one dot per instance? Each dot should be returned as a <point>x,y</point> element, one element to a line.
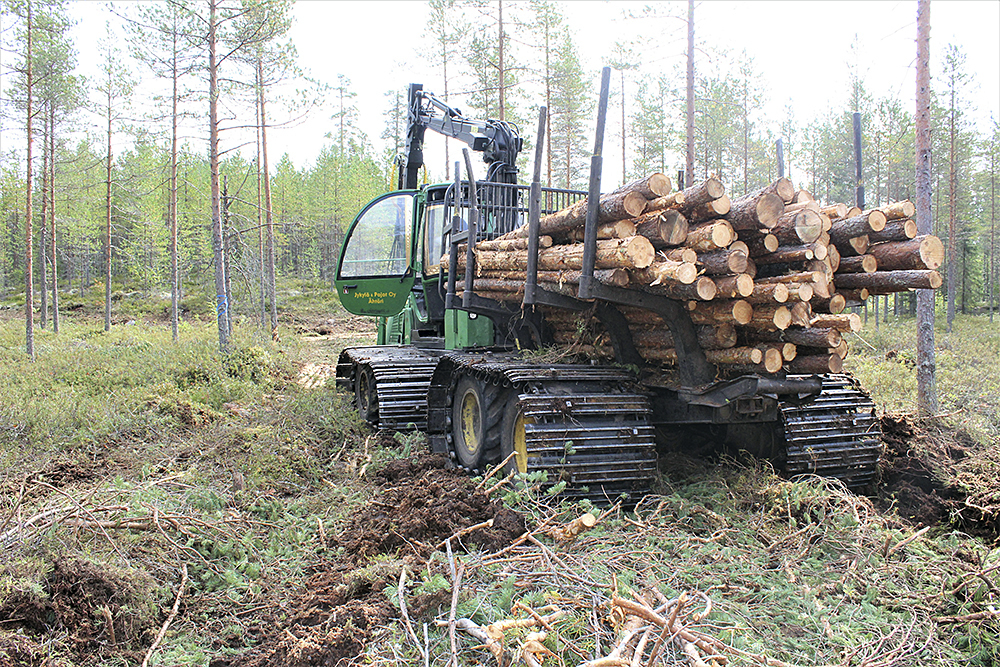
<point>248,362</point>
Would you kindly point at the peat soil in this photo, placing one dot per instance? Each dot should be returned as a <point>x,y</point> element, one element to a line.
<point>100,610</point>
<point>918,476</point>
<point>418,505</point>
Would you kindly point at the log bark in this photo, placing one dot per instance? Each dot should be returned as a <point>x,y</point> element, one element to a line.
<point>899,210</point>
<point>887,282</point>
<point>809,204</point>
<point>849,296</point>
<point>756,211</point>
<point>679,254</point>
<point>922,252</point>
<point>852,247</point>
<point>799,227</point>
<point>867,222</point>
<point>631,253</point>
<point>813,363</point>
<point>760,244</point>
<point>807,337</point>
<point>801,291</point>
<point>801,313</point>
<point>620,229</point>
<point>717,312</point>
<point>662,228</point>
<point>768,294</point>
<point>651,187</point>
<point>715,337</point>
<point>770,316</point>
<point>612,277</point>
<point>895,230</point>
<point>710,236</point>
<point>701,193</point>
<point>859,264</point>
<point>611,208</point>
<point>784,188</point>
<point>803,196</point>
<point>508,244</point>
<point>835,211</point>
<point>674,200</point>
<point>710,210</point>
<point>665,271</point>
<point>702,289</point>
<point>734,287</point>
<point>844,322</point>
<point>723,261</point>
<point>787,255</point>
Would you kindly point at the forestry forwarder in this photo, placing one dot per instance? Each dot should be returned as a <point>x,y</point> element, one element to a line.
<point>448,361</point>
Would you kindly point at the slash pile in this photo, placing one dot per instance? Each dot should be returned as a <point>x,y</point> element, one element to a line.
<point>766,277</point>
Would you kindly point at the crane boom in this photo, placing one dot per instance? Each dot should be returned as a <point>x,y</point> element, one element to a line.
<point>498,141</point>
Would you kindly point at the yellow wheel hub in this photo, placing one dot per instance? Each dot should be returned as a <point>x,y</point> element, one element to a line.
<point>520,442</point>
<point>471,424</point>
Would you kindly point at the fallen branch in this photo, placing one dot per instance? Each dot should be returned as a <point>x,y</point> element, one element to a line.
<point>170,617</point>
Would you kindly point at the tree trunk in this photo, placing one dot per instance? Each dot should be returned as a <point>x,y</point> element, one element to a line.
<point>697,194</point>
<point>719,312</point>
<point>174,273</point>
<point>709,236</point>
<point>665,271</point>
<point>269,215</point>
<point>632,253</point>
<point>611,208</point>
<point>107,223</point>
<point>798,227</point>
<point>861,264</point>
<point>29,287</point>
<point>43,250</point>
<point>222,307</point>
<point>52,219</point>
<point>720,262</point>
<point>734,287</point>
<point>927,402</point>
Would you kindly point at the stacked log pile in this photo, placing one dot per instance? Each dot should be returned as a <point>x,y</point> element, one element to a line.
<point>765,277</point>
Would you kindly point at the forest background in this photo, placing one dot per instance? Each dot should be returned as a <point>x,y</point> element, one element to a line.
<point>106,76</point>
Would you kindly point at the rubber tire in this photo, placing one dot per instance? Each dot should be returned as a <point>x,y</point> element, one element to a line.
<point>482,404</point>
<point>366,394</point>
<point>508,433</point>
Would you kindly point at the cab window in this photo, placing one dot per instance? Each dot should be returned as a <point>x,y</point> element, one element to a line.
<point>380,240</point>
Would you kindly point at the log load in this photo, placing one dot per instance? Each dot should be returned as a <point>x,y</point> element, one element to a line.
<point>825,363</point>
<point>734,287</point>
<point>679,254</point>
<point>651,187</point>
<point>723,261</point>
<point>699,248</point>
<point>674,200</point>
<point>886,282</point>
<point>611,208</point>
<point>757,211</point>
<point>922,252</point>
<point>797,227</point>
<point>898,210</point>
<point>859,264</point>
<point>662,228</point>
<point>720,312</point>
<point>620,229</point>
<point>631,253</point>
<point>709,236</point>
<point>710,210</point>
<point>833,304</point>
<point>895,230</point>
<point>665,271</point>
<point>701,193</point>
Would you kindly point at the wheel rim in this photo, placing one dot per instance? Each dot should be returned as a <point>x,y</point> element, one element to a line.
<point>364,395</point>
<point>520,442</point>
<point>471,426</point>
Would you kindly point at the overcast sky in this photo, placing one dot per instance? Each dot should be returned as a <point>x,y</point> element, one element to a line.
<point>802,50</point>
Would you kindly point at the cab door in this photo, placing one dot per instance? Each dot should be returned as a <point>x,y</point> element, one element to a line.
<point>375,272</point>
